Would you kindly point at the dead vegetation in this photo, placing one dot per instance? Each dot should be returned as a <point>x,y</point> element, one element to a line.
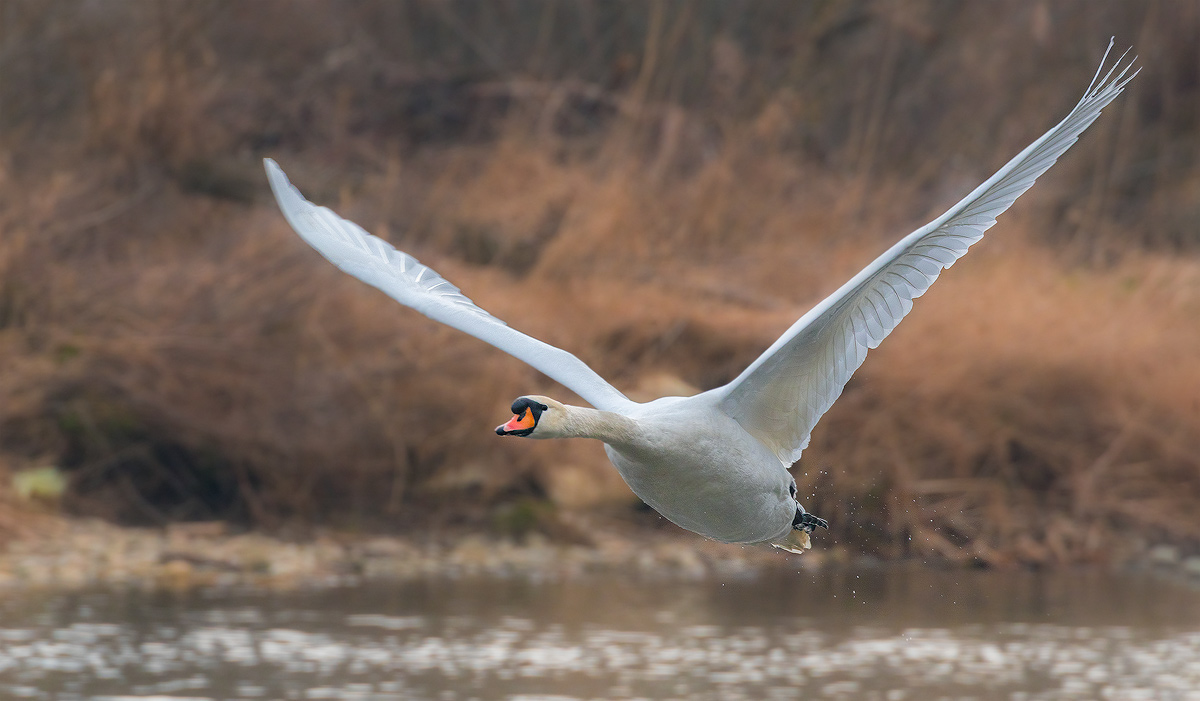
<point>661,188</point>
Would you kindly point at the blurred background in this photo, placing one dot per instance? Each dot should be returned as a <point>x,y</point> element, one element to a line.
<point>192,400</point>
<point>660,188</point>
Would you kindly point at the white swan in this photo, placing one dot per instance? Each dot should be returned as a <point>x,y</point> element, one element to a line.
<point>716,463</point>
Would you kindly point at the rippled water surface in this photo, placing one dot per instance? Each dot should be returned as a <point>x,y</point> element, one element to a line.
<point>879,634</point>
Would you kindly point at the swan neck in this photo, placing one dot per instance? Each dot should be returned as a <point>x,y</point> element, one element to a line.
<point>606,426</point>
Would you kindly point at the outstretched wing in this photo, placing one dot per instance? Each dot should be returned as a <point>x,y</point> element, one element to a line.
<point>404,279</point>
<point>783,393</point>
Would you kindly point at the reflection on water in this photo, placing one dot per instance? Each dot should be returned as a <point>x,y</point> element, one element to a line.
<point>880,634</point>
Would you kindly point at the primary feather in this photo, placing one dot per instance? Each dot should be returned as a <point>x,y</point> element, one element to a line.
<point>783,393</point>
<point>376,262</point>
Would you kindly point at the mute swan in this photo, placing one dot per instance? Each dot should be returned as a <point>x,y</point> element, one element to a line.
<point>715,463</point>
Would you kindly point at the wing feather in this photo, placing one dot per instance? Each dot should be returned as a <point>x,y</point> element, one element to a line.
<point>780,397</point>
<point>403,278</point>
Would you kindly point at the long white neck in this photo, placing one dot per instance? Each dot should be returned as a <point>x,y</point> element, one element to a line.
<point>584,422</point>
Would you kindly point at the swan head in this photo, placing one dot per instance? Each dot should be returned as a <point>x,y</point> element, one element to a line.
<point>534,416</point>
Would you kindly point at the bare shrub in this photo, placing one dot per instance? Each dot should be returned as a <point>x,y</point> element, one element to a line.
<point>660,188</point>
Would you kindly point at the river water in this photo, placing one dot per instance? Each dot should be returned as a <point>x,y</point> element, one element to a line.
<point>882,633</point>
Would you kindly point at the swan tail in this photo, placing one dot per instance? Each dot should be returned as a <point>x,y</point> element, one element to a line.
<point>796,541</point>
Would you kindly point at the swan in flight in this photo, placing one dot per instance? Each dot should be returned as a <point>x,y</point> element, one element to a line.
<point>715,463</point>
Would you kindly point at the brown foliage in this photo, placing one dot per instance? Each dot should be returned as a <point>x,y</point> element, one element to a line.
<point>661,188</point>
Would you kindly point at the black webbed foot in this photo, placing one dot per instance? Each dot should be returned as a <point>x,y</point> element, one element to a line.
<point>806,522</point>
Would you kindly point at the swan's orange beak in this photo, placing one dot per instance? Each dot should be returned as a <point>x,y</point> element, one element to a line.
<point>521,422</point>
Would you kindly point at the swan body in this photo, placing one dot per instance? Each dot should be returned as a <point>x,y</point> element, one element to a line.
<point>716,463</point>
<point>687,446</point>
<point>675,446</point>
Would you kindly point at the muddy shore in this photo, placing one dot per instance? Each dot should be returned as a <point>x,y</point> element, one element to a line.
<point>52,552</point>
<point>71,553</point>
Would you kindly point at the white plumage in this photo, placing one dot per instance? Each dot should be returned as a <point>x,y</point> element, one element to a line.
<point>716,463</point>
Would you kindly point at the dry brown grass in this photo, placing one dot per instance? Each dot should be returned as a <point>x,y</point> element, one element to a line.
<point>1028,414</point>
<point>166,339</point>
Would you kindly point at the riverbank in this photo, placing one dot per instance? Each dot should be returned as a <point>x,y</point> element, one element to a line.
<point>75,553</point>
<point>173,353</point>
<point>52,552</point>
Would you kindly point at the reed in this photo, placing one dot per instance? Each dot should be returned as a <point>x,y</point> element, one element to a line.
<point>661,188</point>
